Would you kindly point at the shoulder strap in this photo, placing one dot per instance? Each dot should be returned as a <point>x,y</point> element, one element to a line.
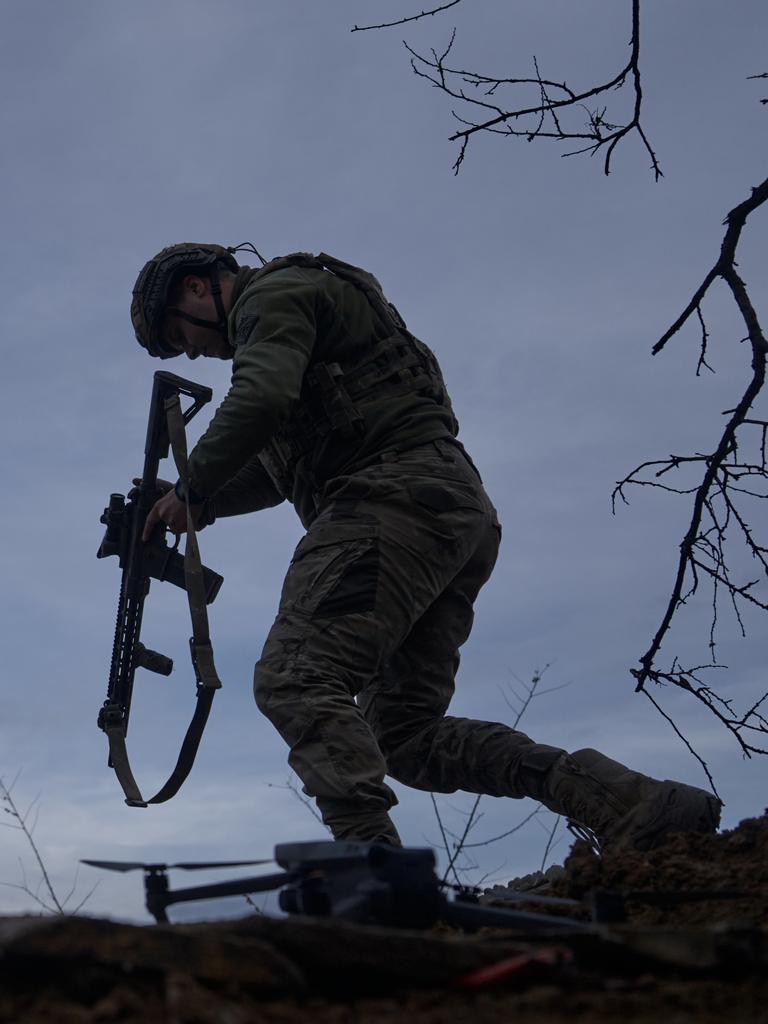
<point>367,283</point>
<point>362,279</point>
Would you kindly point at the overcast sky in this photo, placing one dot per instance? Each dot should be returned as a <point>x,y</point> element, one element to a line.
<point>540,283</point>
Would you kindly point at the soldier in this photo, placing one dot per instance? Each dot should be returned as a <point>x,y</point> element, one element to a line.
<point>336,407</point>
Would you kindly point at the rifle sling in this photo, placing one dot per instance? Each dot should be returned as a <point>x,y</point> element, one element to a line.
<point>200,642</point>
<point>200,646</point>
<point>118,755</point>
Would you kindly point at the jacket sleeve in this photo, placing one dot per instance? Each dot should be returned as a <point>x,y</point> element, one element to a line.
<point>249,490</point>
<point>274,329</point>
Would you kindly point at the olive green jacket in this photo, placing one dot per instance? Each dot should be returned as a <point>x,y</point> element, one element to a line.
<point>281,324</point>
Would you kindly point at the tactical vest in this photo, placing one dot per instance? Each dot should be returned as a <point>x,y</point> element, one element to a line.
<point>330,392</point>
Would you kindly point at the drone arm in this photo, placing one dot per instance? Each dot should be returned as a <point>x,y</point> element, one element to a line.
<point>470,916</point>
<point>158,902</point>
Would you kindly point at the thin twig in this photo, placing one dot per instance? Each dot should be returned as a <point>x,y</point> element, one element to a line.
<point>698,757</point>
<point>291,787</point>
<point>461,844</point>
<point>549,842</point>
<point>510,832</point>
<point>404,21</point>
<point>6,798</point>
<point>446,847</point>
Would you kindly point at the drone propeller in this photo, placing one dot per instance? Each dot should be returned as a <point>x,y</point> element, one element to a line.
<point>128,865</point>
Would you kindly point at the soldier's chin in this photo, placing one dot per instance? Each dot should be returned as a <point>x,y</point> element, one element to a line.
<point>218,350</point>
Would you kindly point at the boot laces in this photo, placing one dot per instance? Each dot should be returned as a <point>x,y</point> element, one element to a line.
<point>582,832</point>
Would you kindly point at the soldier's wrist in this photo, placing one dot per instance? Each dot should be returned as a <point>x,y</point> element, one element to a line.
<point>207,514</point>
<point>182,495</point>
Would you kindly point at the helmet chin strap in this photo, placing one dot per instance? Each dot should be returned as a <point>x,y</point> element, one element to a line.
<point>219,325</point>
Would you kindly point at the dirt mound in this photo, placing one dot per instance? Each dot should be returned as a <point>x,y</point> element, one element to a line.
<point>692,946</point>
<point>690,880</point>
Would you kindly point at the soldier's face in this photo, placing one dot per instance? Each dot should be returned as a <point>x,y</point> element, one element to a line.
<point>196,300</point>
<point>194,340</point>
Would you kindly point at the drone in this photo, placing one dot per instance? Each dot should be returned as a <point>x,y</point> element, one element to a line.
<point>362,882</point>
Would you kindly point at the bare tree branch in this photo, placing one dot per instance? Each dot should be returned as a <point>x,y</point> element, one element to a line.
<point>541,119</point>
<point>729,478</point>
<point>53,905</point>
<point>11,808</point>
<point>716,510</point>
<point>404,21</point>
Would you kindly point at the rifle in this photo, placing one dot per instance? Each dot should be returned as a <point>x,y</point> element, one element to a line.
<point>155,559</point>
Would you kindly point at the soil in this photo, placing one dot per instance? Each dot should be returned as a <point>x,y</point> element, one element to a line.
<point>720,866</point>
<point>681,936</point>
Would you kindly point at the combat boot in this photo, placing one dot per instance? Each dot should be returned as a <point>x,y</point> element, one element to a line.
<point>621,807</point>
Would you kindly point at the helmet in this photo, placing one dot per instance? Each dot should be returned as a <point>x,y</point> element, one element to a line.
<point>150,293</point>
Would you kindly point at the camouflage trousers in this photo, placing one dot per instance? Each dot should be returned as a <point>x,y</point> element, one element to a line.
<point>359,667</point>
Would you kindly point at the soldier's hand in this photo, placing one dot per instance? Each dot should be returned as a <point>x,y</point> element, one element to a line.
<point>171,511</point>
<point>162,486</point>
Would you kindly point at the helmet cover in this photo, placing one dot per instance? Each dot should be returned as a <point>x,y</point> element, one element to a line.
<point>158,275</point>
